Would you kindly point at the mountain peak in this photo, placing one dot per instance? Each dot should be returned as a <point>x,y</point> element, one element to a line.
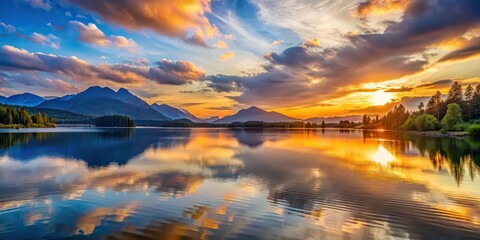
<point>253,109</point>
<point>24,99</point>
<point>122,90</point>
<point>256,114</point>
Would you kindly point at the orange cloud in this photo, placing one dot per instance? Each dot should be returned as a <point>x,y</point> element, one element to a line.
<point>312,43</point>
<point>380,7</point>
<point>177,19</point>
<point>221,44</point>
<point>228,55</point>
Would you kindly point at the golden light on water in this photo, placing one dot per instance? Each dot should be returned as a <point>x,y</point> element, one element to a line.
<point>383,156</point>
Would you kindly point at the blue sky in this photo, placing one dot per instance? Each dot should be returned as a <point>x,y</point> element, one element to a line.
<point>301,57</point>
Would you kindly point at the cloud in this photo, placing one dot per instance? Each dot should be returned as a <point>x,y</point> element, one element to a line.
<point>175,73</point>
<point>302,17</point>
<point>227,56</point>
<point>68,14</point>
<point>221,44</point>
<point>123,42</point>
<point>14,60</point>
<point>312,43</point>
<point>183,19</point>
<point>230,37</point>
<point>42,4</point>
<point>36,82</point>
<point>91,34</point>
<point>301,75</point>
<point>471,49</point>
<point>277,42</point>
<point>411,103</point>
<point>436,84</point>
<point>379,7</point>
<point>49,40</point>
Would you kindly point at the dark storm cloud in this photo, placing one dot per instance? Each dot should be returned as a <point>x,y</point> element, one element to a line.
<point>471,49</point>
<point>299,74</point>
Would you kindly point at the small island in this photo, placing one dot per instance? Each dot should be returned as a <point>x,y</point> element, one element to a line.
<point>18,117</point>
<point>114,121</point>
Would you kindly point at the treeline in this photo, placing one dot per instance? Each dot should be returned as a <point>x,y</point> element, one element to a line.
<point>459,111</point>
<point>260,124</point>
<point>114,121</point>
<point>19,117</point>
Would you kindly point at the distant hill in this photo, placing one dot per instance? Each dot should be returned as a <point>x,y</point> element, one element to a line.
<point>24,99</point>
<point>355,118</point>
<point>175,113</point>
<point>256,114</point>
<point>99,101</point>
<point>211,119</point>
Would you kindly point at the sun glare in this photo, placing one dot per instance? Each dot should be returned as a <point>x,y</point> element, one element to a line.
<point>382,156</point>
<point>380,98</point>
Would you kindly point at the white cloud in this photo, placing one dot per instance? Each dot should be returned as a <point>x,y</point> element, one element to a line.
<point>326,19</point>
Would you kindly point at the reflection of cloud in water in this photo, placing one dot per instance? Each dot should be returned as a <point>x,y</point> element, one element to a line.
<point>294,184</point>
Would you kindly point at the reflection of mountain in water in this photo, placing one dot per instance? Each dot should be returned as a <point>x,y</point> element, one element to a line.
<point>95,148</point>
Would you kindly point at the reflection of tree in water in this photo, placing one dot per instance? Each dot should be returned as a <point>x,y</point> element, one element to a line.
<point>11,139</point>
<point>460,154</point>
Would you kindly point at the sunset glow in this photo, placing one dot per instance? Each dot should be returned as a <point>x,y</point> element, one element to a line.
<point>214,58</point>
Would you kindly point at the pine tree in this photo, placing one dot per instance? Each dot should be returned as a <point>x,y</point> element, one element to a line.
<point>468,99</point>
<point>434,105</point>
<point>421,107</point>
<point>455,94</point>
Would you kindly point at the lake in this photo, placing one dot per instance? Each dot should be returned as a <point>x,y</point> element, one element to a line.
<point>154,183</point>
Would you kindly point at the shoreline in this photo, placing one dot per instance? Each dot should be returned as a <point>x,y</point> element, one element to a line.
<point>18,126</point>
<point>434,133</point>
<point>421,133</point>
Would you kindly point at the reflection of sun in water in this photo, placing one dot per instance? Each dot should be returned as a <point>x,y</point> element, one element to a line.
<point>383,156</point>
<point>380,98</point>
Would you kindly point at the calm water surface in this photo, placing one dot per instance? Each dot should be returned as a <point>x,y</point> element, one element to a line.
<point>152,183</point>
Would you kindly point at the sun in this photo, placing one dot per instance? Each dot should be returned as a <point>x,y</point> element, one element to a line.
<point>380,98</point>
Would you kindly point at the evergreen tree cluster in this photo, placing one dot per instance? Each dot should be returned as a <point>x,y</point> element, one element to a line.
<point>114,121</point>
<point>447,114</point>
<point>469,102</point>
<point>10,115</point>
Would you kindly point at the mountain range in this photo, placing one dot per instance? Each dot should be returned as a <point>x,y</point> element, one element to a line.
<point>24,99</point>
<point>97,101</point>
<point>175,113</point>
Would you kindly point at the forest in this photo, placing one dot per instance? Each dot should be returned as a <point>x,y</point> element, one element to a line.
<point>18,117</point>
<point>114,121</point>
<point>458,112</point>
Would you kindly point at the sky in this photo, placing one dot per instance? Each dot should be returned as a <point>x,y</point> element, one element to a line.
<point>214,57</point>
